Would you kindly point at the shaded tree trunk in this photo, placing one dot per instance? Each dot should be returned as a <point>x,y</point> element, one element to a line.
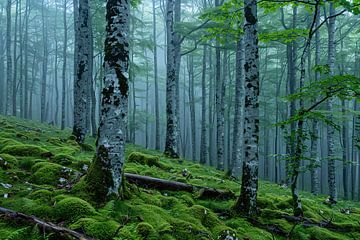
<point>8,57</point>
<point>45,63</point>
<point>63,91</point>
<point>203,144</point>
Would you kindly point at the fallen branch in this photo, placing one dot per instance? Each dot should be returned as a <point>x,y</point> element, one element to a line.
<point>43,226</point>
<point>306,222</point>
<point>162,184</point>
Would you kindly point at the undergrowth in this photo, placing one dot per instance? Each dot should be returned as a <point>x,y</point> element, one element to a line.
<point>41,174</point>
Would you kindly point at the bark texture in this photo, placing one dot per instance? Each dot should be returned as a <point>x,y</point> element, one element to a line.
<point>104,178</point>
<point>247,202</point>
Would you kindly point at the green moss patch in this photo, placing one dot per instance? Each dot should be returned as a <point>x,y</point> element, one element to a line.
<point>71,209</point>
<point>26,150</point>
<point>146,159</point>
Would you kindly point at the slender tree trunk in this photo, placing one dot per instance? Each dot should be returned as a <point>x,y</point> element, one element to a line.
<point>147,102</point>
<point>26,48</point>
<point>247,202</point>
<point>63,92</point>
<point>157,111</point>
<point>34,71</point>
<point>211,113</point>
<point>2,74</point>
<point>8,57</point>
<point>172,134</point>
<point>203,144</point>
<point>177,59</point>
<point>45,63</point>
<point>82,75</point>
<point>192,105</point>
<point>91,124</point>
<point>14,81</point>
<point>315,125</point>
<point>330,129</point>
<point>104,177</point>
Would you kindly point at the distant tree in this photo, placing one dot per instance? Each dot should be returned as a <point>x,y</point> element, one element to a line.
<point>104,177</point>
<point>8,57</point>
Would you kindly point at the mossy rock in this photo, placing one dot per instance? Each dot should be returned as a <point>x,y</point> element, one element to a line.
<point>187,200</point>
<point>146,159</point>
<point>42,195</point>
<point>50,173</point>
<point>223,232</point>
<point>206,217</point>
<point>7,161</point>
<point>63,159</point>
<point>55,141</point>
<point>96,228</point>
<point>71,209</point>
<point>26,150</point>
<point>318,233</point>
<point>33,207</point>
<point>146,231</point>
<point>8,142</point>
<point>183,230</point>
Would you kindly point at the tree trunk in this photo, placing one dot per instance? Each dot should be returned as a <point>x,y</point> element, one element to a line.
<point>315,125</point>
<point>211,113</point>
<point>247,202</point>
<point>8,57</point>
<point>82,75</point>
<point>26,70</point>
<point>104,177</point>
<point>192,105</point>
<point>157,111</point>
<point>203,144</point>
<point>330,129</point>
<point>45,63</point>
<point>238,134</point>
<point>172,134</point>
<point>63,92</point>
<point>14,82</point>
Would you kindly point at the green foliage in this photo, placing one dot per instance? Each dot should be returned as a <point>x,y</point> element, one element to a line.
<point>50,173</point>
<point>25,150</point>
<point>146,231</point>
<point>146,159</point>
<point>97,228</point>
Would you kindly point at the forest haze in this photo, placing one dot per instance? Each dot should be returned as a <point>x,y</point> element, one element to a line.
<point>267,92</point>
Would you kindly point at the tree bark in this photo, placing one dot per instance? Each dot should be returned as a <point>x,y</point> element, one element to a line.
<point>45,63</point>
<point>238,132</point>
<point>172,134</point>
<point>203,144</point>
<point>8,57</point>
<point>104,177</point>
<point>63,91</point>
<point>247,202</point>
<point>81,81</point>
<point>330,129</point>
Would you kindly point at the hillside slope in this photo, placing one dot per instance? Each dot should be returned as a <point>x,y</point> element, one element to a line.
<point>40,174</point>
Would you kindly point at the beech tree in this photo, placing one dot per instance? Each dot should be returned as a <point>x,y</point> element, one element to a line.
<point>104,177</point>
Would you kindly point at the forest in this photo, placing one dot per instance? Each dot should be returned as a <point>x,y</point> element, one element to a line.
<point>180,119</point>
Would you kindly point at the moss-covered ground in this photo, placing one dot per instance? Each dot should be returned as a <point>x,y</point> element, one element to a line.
<point>41,169</point>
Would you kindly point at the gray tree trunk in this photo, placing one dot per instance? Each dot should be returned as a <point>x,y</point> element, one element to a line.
<point>330,129</point>
<point>45,63</point>
<point>203,144</point>
<point>314,171</point>
<point>238,134</point>
<point>2,73</point>
<point>157,111</point>
<point>8,57</point>
<point>247,202</point>
<point>104,178</point>
<point>211,112</point>
<point>172,134</point>
<point>81,81</point>
<point>26,48</point>
<point>63,91</point>
<point>192,105</point>
<point>15,59</point>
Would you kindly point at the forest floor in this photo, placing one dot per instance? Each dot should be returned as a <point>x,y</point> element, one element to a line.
<point>40,174</point>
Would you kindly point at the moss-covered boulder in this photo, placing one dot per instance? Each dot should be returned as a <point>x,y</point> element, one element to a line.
<point>42,195</point>
<point>7,161</point>
<point>206,217</point>
<point>70,209</point>
<point>147,159</point>
<point>51,173</point>
<point>63,159</point>
<point>26,150</point>
<point>96,228</point>
<point>146,231</point>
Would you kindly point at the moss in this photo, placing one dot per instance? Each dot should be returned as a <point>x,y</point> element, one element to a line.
<point>223,232</point>
<point>187,200</point>
<point>8,142</point>
<point>183,230</point>
<point>41,195</point>
<point>27,163</point>
<point>33,207</point>
<point>96,228</point>
<point>25,150</point>
<point>206,217</point>
<point>71,209</point>
<point>87,147</point>
<point>55,141</point>
<point>50,173</point>
<point>146,159</point>
<point>7,161</point>
<point>63,159</point>
<point>146,231</point>
<point>318,233</point>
